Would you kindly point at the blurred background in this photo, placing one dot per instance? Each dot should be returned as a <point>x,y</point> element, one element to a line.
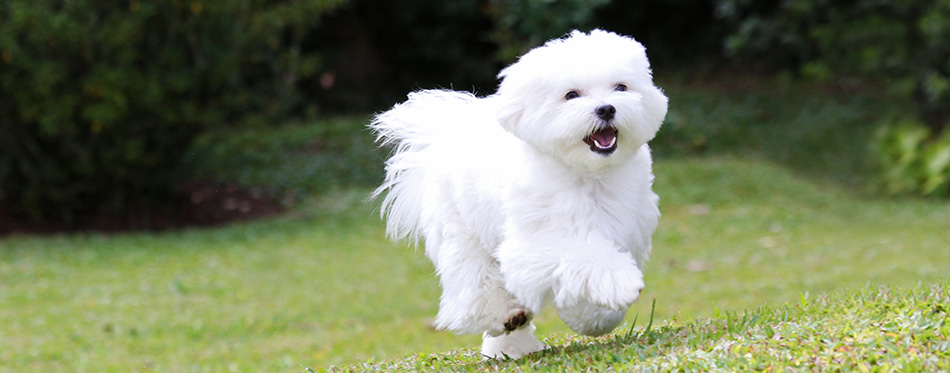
<point>101,101</point>
<point>805,150</point>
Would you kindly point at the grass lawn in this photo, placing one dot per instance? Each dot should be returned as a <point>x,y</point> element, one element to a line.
<point>882,329</point>
<point>761,199</point>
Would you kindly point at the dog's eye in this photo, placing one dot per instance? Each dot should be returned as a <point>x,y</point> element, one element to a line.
<point>621,88</point>
<point>572,95</point>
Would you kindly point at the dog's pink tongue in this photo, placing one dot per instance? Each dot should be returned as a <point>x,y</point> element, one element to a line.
<point>605,137</point>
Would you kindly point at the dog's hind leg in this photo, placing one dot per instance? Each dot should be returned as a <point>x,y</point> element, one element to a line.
<point>514,345</point>
<point>474,299</point>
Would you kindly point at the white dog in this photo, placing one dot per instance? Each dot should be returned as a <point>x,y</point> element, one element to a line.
<point>539,193</point>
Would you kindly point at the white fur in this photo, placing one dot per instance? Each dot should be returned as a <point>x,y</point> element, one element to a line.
<point>515,209</point>
<point>514,345</point>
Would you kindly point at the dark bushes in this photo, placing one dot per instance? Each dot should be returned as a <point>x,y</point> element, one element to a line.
<point>101,98</point>
<point>900,43</point>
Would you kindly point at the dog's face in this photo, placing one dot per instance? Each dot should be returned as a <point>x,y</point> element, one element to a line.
<point>587,99</point>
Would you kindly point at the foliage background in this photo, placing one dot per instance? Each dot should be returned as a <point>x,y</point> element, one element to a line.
<point>101,100</point>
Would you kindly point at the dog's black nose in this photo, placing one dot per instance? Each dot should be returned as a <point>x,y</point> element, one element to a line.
<point>606,112</point>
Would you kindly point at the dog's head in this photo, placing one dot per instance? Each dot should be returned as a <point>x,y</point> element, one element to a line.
<point>588,99</point>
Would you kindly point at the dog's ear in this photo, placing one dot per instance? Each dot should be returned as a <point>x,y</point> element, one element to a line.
<point>510,110</point>
<point>509,98</point>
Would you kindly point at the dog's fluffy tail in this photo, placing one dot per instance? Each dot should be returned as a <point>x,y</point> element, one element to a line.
<point>413,128</point>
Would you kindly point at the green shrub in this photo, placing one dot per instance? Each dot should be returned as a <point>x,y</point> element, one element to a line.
<point>911,159</point>
<point>101,99</point>
<point>901,43</point>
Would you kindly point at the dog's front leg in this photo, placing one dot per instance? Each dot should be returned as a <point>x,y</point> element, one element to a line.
<point>588,319</point>
<point>598,271</point>
<point>528,267</point>
<point>571,270</point>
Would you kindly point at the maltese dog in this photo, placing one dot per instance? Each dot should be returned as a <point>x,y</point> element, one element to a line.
<point>539,194</point>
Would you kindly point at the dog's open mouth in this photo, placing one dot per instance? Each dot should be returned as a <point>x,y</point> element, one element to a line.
<point>603,140</point>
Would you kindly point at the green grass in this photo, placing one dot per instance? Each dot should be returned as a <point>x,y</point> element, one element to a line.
<point>305,288</point>
<point>871,329</point>
<point>744,226</point>
<point>322,287</point>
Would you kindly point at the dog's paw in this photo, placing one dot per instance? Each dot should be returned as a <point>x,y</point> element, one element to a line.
<point>616,289</point>
<point>516,321</point>
<point>512,345</point>
<point>509,322</point>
